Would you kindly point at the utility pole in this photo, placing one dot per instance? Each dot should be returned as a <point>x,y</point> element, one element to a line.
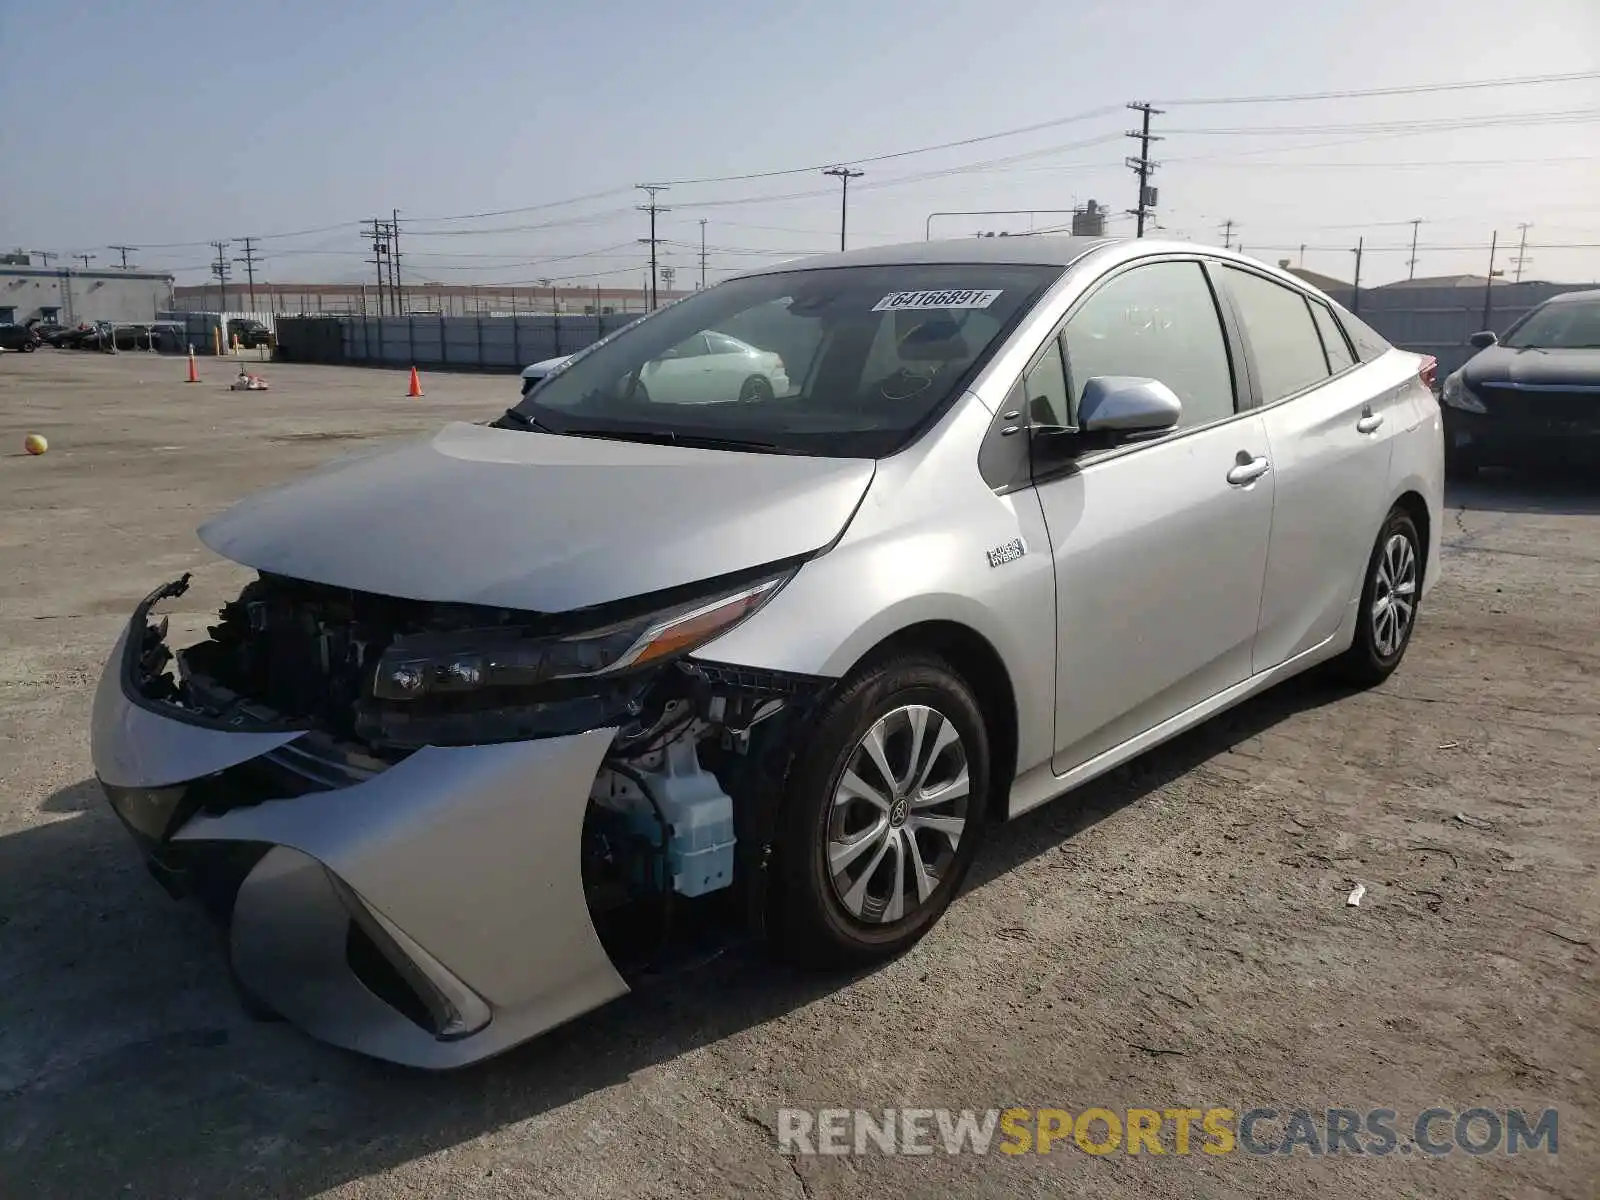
<point>86,259</point>
<point>47,255</point>
<point>123,250</point>
<point>394,261</point>
<point>1143,166</point>
<point>1227,234</point>
<point>651,189</point>
<point>250,258</point>
<point>702,254</point>
<point>220,269</point>
<point>1411,263</point>
<point>380,252</point>
<point>1488,284</point>
<point>844,175</point>
<point>1522,259</point>
<point>1355,286</point>
<point>1302,256</point>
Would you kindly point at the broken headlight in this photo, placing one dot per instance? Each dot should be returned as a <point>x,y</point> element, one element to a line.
<point>427,665</point>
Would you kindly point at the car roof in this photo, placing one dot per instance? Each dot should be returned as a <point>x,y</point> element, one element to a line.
<point>1569,297</point>
<point>1043,250</point>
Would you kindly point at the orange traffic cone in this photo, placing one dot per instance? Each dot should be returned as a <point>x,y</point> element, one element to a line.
<point>416,384</point>
<point>194,373</point>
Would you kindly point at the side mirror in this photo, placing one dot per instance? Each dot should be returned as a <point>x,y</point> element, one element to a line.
<point>1122,405</point>
<point>1483,340</point>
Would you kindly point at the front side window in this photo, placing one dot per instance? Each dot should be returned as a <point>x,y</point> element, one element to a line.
<point>1283,338</point>
<point>847,361</point>
<point>1157,322</point>
<point>1559,325</point>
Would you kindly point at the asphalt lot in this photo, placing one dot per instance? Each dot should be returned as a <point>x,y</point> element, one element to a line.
<point>1175,935</point>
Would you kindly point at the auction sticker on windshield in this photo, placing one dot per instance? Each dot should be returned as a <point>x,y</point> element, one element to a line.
<point>944,298</point>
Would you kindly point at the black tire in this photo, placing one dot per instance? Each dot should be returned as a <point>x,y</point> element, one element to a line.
<point>27,347</point>
<point>755,390</point>
<point>1459,464</point>
<point>1373,656</point>
<point>811,921</point>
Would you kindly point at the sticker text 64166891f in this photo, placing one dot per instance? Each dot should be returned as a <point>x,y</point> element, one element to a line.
<point>943,298</point>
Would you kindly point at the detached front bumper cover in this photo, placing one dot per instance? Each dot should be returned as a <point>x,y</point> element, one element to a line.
<point>456,870</point>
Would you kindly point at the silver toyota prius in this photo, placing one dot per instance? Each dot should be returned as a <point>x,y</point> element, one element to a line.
<point>507,709</point>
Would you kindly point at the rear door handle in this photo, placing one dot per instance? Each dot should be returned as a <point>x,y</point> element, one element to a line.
<point>1248,470</point>
<point>1369,421</point>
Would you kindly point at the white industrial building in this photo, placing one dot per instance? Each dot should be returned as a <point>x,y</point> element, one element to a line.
<point>71,296</point>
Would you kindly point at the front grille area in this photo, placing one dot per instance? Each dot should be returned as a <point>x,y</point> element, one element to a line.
<point>1542,408</point>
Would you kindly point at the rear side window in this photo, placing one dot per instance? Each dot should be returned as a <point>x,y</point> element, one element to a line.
<point>1339,356</point>
<point>1283,338</point>
<point>1369,343</point>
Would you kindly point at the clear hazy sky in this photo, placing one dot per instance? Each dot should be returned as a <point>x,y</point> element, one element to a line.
<point>158,124</point>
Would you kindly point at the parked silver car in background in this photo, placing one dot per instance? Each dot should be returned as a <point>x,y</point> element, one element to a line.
<point>502,697</point>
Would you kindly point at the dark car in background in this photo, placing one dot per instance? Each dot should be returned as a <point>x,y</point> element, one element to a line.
<point>1532,397</point>
<point>18,337</point>
<point>250,333</point>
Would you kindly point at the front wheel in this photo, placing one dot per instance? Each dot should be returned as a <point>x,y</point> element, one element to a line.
<point>883,816</point>
<point>1389,601</point>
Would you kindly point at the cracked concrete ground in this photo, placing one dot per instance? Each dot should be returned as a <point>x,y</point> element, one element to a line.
<point>1176,934</point>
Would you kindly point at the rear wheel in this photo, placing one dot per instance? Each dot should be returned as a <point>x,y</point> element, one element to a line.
<point>755,390</point>
<point>1389,601</point>
<point>884,815</point>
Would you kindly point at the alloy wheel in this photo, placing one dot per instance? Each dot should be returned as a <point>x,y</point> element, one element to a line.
<point>1394,595</point>
<point>897,814</point>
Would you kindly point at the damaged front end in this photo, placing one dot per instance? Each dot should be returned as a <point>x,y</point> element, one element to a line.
<point>436,829</point>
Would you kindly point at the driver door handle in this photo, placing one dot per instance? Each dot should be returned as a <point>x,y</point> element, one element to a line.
<point>1369,421</point>
<point>1248,470</point>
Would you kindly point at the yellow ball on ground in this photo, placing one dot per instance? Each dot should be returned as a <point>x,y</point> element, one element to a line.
<point>35,443</point>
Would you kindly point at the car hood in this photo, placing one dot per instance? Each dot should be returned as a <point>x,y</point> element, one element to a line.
<point>1533,367</point>
<point>532,521</point>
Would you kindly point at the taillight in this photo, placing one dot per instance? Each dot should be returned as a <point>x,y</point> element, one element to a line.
<point>1429,370</point>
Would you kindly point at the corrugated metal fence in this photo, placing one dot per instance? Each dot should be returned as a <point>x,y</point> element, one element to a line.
<point>482,342</point>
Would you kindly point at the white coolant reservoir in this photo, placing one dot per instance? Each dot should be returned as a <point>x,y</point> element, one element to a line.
<point>699,817</point>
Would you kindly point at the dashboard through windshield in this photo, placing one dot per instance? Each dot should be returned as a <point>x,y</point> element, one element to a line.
<point>843,361</point>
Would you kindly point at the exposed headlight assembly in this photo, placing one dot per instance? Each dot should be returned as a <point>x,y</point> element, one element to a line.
<point>1458,395</point>
<point>473,660</point>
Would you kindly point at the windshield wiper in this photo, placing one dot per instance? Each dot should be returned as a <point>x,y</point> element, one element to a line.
<point>513,419</point>
<point>668,437</point>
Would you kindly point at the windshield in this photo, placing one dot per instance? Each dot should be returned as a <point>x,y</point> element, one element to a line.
<point>847,361</point>
<point>1559,325</point>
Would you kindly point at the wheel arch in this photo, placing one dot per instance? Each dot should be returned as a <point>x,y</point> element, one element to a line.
<point>1414,506</point>
<point>973,657</point>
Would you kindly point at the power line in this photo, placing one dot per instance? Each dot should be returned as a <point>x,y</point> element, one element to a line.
<point>123,250</point>
<point>1402,90</point>
<point>1552,117</point>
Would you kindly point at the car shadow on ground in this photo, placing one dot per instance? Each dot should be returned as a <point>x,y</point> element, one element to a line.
<point>1569,492</point>
<point>195,1099</point>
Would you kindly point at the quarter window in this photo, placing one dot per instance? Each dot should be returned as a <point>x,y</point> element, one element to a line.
<point>1046,386</point>
<point>1283,339</point>
<point>1160,322</point>
<point>1339,356</point>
